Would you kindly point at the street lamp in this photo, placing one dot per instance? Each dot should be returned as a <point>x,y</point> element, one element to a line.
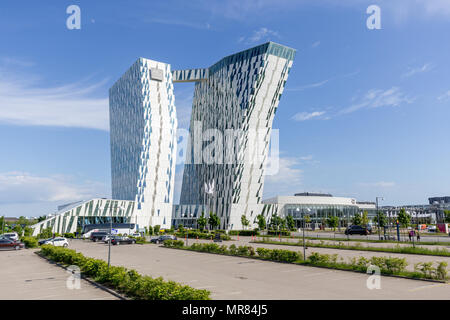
<point>304,224</point>
<point>378,215</point>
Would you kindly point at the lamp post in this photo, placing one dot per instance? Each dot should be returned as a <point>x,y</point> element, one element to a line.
<point>378,215</point>
<point>303,227</point>
<point>110,236</point>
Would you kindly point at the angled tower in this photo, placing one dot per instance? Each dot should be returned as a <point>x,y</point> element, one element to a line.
<point>238,95</point>
<point>143,141</point>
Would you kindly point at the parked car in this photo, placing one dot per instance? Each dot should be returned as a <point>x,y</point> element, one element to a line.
<point>9,244</point>
<point>217,238</point>
<point>122,240</point>
<point>98,236</point>
<point>11,235</point>
<point>57,242</point>
<point>161,239</point>
<point>357,230</point>
<point>106,238</point>
<point>42,241</point>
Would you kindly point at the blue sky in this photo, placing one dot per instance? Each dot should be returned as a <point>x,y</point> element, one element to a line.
<point>364,113</point>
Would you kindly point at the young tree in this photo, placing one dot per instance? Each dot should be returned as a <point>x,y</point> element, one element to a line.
<point>365,218</point>
<point>382,218</point>
<point>290,222</point>
<point>403,218</point>
<point>156,229</point>
<point>357,220</point>
<point>447,216</point>
<point>202,221</point>
<point>2,224</point>
<point>275,221</point>
<point>333,222</point>
<point>282,223</point>
<point>261,222</point>
<point>244,221</point>
<point>213,220</point>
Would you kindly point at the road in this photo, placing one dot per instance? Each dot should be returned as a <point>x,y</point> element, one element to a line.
<point>241,278</point>
<point>26,276</point>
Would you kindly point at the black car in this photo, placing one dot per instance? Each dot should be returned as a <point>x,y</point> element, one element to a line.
<point>97,236</point>
<point>161,239</point>
<point>357,230</point>
<point>122,240</point>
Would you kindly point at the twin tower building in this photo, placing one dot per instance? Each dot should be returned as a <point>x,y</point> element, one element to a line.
<point>225,151</point>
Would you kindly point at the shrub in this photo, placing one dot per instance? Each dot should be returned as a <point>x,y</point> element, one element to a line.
<point>173,243</point>
<point>69,235</point>
<point>441,271</point>
<point>126,281</point>
<point>276,233</point>
<point>30,242</point>
<point>233,250</point>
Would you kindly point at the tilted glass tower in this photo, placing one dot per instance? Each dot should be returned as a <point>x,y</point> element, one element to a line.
<point>143,128</point>
<point>236,98</point>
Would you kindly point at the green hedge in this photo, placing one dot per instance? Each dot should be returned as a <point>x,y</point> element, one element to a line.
<point>126,281</point>
<point>201,235</point>
<point>284,233</point>
<point>244,233</point>
<point>69,235</point>
<point>30,242</point>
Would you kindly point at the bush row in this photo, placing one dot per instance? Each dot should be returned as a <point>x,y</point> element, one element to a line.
<point>126,281</point>
<point>281,232</point>
<point>243,233</point>
<point>201,235</point>
<point>30,242</point>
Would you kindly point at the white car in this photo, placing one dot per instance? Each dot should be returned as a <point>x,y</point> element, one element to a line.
<point>58,242</point>
<point>12,235</point>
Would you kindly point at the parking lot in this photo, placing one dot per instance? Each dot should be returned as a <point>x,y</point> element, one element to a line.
<point>26,276</point>
<point>240,278</point>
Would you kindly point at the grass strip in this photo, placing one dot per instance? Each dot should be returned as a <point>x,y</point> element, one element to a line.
<point>387,265</point>
<point>398,249</point>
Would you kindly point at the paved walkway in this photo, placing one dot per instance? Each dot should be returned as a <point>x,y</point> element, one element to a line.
<point>26,276</point>
<point>241,278</point>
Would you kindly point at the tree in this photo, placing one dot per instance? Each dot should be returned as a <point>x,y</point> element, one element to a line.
<point>333,222</point>
<point>290,222</point>
<point>181,227</point>
<point>2,224</point>
<point>41,218</point>
<point>213,220</point>
<point>365,218</point>
<point>403,218</point>
<point>244,221</point>
<point>156,229</point>
<point>357,220</point>
<point>261,222</point>
<point>282,223</point>
<point>201,222</point>
<point>447,216</point>
<point>275,221</point>
<point>382,218</point>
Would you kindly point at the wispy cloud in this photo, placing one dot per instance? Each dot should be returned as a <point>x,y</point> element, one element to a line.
<point>181,23</point>
<point>323,82</point>
<point>24,187</point>
<point>24,100</point>
<point>262,34</point>
<point>303,116</point>
<point>376,98</point>
<point>288,178</point>
<point>315,44</point>
<point>380,184</point>
<point>445,96</point>
<point>412,71</point>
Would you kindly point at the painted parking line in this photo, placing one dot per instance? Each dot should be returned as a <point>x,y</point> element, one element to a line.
<point>430,286</point>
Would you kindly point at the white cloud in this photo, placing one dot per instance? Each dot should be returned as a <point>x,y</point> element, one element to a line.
<point>315,44</point>
<point>445,96</point>
<point>287,179</point>
<point>380,184</point>
<point>412,71</point>
<point>376,98</point>
<point>23,187</point>
<point>262,34</point>
<point>303,116</point>
<point>24,101</point>
<point>309,86</point>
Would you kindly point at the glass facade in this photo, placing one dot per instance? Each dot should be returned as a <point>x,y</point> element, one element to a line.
<point>319,212</point>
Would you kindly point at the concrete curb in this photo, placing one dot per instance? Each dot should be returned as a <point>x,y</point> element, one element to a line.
<point>95,284</point>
